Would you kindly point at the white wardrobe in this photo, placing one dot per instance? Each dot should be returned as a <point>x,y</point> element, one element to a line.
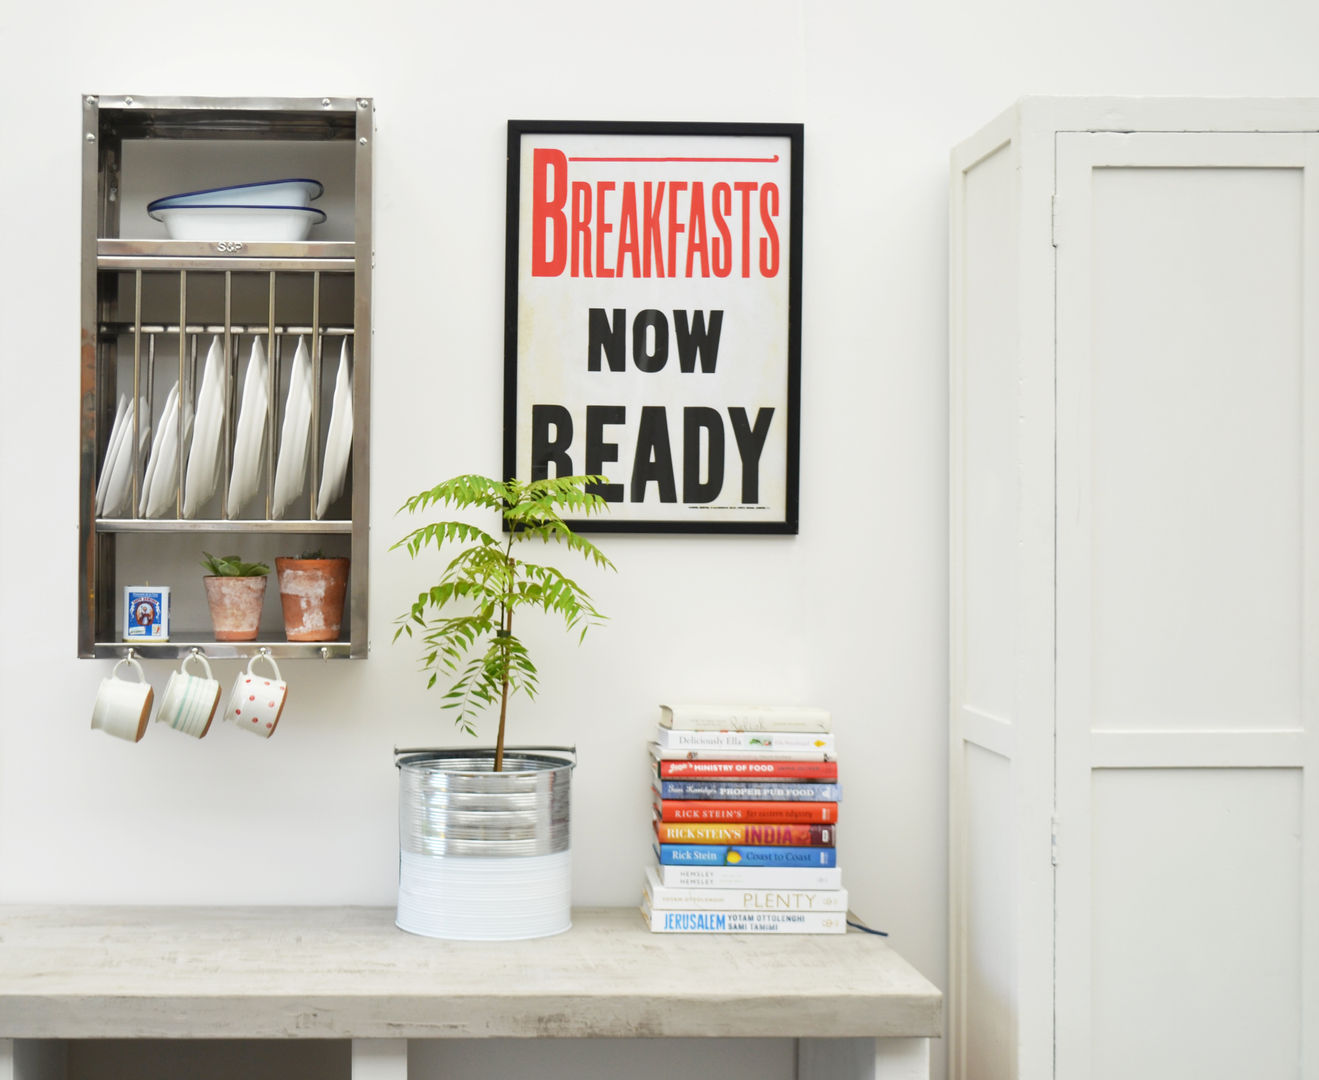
<point>1134,567</point>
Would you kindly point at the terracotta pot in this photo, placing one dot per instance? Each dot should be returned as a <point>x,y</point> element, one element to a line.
<point>312,594</point>
<point>235,606</point>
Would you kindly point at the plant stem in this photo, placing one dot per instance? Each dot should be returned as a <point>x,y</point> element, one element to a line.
<point>506,624</point>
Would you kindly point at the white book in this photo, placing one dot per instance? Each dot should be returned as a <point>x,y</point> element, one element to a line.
<point>743,922</point>
<point>746,717</point>
<point>677,898</point>
<point>749,877</point>
<point>675,738</point>
<point>760,753</point>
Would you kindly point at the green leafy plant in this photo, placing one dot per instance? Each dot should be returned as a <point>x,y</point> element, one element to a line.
<point>478,647</point>
<point>233,566</point>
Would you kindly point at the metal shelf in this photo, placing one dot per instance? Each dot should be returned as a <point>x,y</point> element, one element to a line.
<point>183,643</point>
<point>146,303</point>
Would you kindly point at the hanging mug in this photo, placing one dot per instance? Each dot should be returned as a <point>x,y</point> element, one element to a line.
<point>189,702</point>
<point>123,706</point>
<point>257,701</point>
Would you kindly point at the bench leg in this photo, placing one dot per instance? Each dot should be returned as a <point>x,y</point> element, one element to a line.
<point>377,1059</point>
<point>32,1059</point>
<point>863,1059</point>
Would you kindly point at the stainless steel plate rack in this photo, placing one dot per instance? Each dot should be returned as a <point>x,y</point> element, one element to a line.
<point>151,305</point>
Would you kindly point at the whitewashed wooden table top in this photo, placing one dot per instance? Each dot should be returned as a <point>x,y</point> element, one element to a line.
<point>348,972</point>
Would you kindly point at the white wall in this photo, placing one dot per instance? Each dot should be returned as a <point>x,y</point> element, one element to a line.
<point>849,614</point>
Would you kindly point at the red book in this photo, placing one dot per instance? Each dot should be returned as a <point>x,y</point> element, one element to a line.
<point>749,770</point>
<point>771,812</point>
<point>755,834</point>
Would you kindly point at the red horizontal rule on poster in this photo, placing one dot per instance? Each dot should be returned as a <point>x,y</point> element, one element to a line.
<point>652,319</point>
<point>650,228</point>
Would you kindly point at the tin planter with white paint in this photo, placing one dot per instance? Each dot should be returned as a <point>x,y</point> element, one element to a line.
<point>311,593</point>
<point>485,855</point>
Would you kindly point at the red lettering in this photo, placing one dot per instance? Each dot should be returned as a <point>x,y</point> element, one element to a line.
<point>547,210</point>
<point>652,237</point>
<point>745,188</point>
<point>769,243</point>
<point>627,231</point>
<point>602,228</point>
<point>696,232</point>
<point>721,201</point>
<point>675,186</point>
<point>581,229</point>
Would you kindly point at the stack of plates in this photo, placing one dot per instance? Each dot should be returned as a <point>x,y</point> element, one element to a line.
<point>253,413</point>
<point>204,455</point>
<point>267,210</point>
<point>484,898</point>
<point>113,487</point>
<point>294,436</point>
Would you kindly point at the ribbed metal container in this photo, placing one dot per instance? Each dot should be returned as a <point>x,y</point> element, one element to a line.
<point>452,802</point>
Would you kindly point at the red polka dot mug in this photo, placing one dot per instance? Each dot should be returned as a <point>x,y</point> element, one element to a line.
<point>257,700</point>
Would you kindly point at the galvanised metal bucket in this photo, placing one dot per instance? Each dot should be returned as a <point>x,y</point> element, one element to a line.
<point>485,855</point>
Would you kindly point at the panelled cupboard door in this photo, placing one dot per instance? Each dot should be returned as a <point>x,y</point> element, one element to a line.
<point>1187,918</point>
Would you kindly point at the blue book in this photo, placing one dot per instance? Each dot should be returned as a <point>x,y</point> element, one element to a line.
<point>739,790</point>
<point>743,855</point>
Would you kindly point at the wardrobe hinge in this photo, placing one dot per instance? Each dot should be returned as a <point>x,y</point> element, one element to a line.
<point>1053,840</point>
<point>1053,223</point>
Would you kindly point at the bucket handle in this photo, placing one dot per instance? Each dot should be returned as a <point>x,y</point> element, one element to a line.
<point>400,752</point>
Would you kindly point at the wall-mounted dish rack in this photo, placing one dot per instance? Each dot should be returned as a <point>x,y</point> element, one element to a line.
<point>154,309</point>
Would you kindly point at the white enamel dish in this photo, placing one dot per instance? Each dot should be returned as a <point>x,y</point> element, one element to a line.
<point>295,191</point>
<point>233,223</point>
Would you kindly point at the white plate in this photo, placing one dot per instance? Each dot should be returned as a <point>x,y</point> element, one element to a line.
<point>153,459</point>
<point>165,479</point>
<point>111,452</point>
<point>117,491</point>
<point>291,468</point>
<point>204,457</point>
<point>251,433</point>
<point>339,439</point>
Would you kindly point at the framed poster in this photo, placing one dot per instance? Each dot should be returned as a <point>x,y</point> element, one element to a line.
<point>652,320</point>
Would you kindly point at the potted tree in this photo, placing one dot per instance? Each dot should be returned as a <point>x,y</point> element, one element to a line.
<point>485,833</point>
<point>312,588</point>
<point>235,591</point>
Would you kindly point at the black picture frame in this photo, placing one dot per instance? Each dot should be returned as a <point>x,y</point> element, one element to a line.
<point>590,375</point>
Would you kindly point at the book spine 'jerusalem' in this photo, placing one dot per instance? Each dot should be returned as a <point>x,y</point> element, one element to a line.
<point>672,832</point>
<point>745,855</point>
<point>746,717</point>
<point>750,770</point>
<point>745,922</point>
<point>749,877</point>
<point>786,813</point>
<point>749,790</point>
<point>758,899</point>
<point>777,740</point>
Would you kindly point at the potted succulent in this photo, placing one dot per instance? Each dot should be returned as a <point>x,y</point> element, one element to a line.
<point>485,833</point>
<point>312,588</point>
<point>235,591</point>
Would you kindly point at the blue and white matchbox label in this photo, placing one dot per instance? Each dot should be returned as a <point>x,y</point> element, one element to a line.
<point>146,613</point>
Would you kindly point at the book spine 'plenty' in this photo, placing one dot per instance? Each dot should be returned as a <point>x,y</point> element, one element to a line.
<point>745,855</point>
<point>675,832</point>
<point>699,899</point>
<point>786,813</point>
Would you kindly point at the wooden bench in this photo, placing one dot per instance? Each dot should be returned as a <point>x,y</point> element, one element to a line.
<point>857,1009</point>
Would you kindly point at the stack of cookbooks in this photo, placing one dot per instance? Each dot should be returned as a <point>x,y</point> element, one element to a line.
<point>745,819</point>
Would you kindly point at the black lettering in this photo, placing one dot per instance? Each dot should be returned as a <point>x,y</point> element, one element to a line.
<point>543,448</point>
<point>696,419</point>
<point>750,442</point>
<point>658,355</point>
<point>601,337</point>
<point>654,460</point>
<point>598,451</point>
<point>697,339</point>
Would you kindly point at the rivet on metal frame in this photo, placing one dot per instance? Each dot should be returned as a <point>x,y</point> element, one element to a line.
<point>91,136</point>
<point>325,103</point>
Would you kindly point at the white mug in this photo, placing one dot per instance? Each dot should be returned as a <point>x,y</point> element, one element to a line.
<point>189,701</point>
<point>257,702</point>
<point>122,706</point>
